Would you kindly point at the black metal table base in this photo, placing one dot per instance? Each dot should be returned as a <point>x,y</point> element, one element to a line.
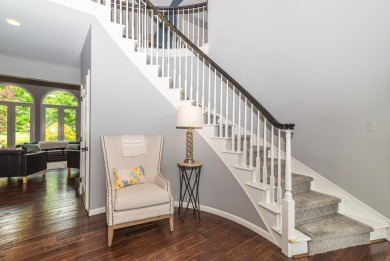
<point>191,190</point>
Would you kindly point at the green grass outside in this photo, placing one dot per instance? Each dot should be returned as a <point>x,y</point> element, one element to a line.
<point>20,138</point>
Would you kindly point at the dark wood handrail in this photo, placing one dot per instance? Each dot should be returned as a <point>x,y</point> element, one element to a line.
<point>257,104</point>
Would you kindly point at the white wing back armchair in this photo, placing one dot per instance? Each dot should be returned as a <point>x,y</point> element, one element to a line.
<point>136,204</point>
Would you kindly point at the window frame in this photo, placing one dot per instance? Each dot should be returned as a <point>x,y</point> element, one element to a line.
<point>61,109</point>
<point>11,116</point>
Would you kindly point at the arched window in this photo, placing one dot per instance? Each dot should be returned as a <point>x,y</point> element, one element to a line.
<point>16,113</point>
<point>60,116</point>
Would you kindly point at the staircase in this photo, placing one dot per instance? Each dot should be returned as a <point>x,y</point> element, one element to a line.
<point>254,146</point>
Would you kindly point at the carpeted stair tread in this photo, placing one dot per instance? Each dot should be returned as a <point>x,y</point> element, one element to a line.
<point>312,199</point>
<point>335,225</point>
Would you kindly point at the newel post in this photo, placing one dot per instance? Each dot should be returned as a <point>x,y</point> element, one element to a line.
<point>288,204</point>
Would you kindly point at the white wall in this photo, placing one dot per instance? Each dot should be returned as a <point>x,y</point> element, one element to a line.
<point>19,67</point>
<point>125,102</point>
<point>323,65</point>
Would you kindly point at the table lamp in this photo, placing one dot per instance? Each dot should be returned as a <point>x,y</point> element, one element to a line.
<point>189,117</point>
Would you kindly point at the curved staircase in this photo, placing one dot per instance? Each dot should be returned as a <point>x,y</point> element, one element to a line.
<point>255,147</point>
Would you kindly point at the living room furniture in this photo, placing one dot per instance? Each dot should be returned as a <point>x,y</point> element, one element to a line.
<point>141,203</point>
<point>189,186</point>
<point>16,163</point>
<point>72,159</point>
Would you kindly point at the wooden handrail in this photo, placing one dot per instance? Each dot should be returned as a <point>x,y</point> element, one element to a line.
<point>195,49</point>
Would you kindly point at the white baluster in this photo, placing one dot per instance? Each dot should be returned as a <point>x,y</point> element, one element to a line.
<point>186,72</point>
<point>188,24</point>
<point>239,124</point>
<point>251,143</point>
<point>132,21</point>
<point>220,108</point>
<point>127,18</point>
<point>226,107</point>
<point>197,80</point>
<point>180,58</point>
<point>265,154</point>
<point>168,48</point>
<point>245,143</point>
<point>215,98</point>
<point>158,43</point>
<point>163,49</point>
<point>115,10</point>
<point>139,26</point>
<point>174,48</point>
<point>279,188</point>
<point>209,98</point>
<point>233,136</point>
<point>145,30</point>
<point>192,75</point>
<point>272,177</point>
<point>203,25</point>
<point>151,37</point>
<point>258,163</point>
<point>120,12</point>
<point>197,39</point>
<point>203,82</point>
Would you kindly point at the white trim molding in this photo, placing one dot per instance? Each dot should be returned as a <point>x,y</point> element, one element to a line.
<point>96,211</point>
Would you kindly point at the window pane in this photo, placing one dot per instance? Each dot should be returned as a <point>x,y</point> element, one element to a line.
<point>11,93</point>
<point>70,124</point>
<point>60,98</point>
<point>51,124</point>
<point>22,124</point>
<point>3,125</point>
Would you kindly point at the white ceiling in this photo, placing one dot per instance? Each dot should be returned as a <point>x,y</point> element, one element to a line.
<point>48,34</point>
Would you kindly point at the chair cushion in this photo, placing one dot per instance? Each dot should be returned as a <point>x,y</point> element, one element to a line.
<point>141,195</point>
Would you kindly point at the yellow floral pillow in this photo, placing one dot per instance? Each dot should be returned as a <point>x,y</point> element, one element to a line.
<point>129,176</point>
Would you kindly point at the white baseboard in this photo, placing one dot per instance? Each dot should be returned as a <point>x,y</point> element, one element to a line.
<point>233,218</point>
<point>96,211</point>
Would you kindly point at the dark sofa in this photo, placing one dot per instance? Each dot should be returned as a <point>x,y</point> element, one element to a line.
<point>17,163</point>
<point>72,159</point>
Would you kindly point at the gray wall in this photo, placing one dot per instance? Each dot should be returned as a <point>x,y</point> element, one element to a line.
<point>125,102</point>
<point>325,67</point>
<point>85,59</point>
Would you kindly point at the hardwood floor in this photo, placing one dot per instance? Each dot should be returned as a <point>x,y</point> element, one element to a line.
<point>44,220</point>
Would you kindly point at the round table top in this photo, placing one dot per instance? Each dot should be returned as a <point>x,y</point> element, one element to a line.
<point>194,164</point>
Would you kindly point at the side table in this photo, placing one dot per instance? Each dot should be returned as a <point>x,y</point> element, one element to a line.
<point>189,178</point>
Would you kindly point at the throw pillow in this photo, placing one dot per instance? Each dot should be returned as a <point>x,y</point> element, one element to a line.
<point>32,147</point>
<point>129,176</point>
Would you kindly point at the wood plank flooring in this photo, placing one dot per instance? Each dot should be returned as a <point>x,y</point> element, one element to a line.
<point>45,220</point>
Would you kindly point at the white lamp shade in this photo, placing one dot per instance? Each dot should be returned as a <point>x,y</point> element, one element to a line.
<point>189,117</point>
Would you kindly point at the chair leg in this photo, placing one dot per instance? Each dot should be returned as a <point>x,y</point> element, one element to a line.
<point>43,172</point>
<point>171,222</point>
<point>110,235</point>
<point>24,179</point>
